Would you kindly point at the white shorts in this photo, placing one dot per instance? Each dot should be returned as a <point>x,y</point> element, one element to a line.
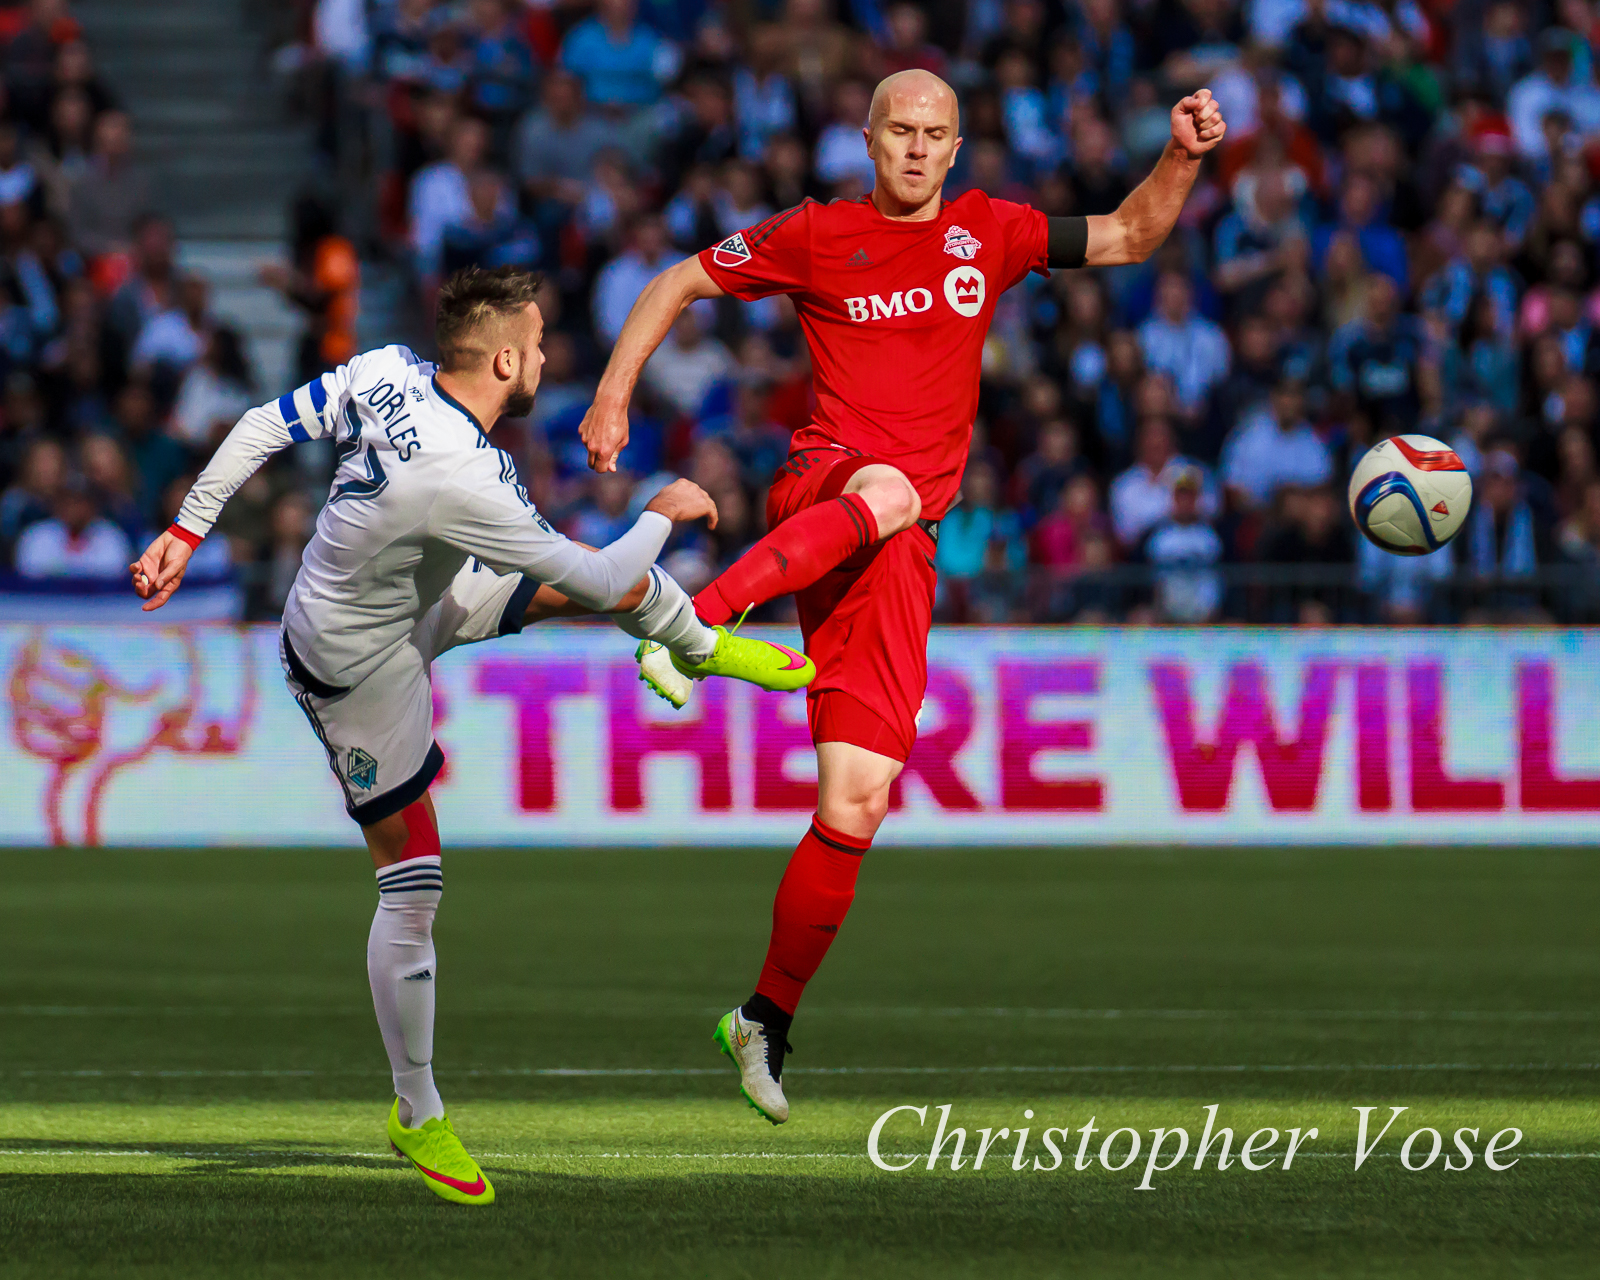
<point>379,734</point>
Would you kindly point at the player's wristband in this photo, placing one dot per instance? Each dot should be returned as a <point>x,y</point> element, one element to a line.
<point>183,535</point>
<point>1068,243</point>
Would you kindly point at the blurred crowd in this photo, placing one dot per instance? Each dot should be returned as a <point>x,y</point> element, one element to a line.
<point>116,381</point>
<point>1401,232</point>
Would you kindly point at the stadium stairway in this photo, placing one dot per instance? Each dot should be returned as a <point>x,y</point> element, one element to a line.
<point>225,155</point>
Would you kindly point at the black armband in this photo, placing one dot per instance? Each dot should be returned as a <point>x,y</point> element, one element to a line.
<point>1068,245</point>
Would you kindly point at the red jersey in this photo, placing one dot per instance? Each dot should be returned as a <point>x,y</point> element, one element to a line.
<point>896,314</point>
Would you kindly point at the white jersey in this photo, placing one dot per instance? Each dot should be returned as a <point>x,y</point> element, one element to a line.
<point>418,489</point>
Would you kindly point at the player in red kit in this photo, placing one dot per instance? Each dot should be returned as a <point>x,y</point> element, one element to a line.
<point>895,292</point>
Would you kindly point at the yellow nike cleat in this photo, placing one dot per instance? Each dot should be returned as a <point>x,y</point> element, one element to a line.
<point>437,1154</point>
<point>765,665</point>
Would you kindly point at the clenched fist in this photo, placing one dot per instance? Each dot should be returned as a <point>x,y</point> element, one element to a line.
<point>1197,124</point>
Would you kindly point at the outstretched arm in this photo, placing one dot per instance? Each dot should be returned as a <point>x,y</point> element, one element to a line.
<point>1143,221</point>
<point>605,426</point>
<point>310,413</point>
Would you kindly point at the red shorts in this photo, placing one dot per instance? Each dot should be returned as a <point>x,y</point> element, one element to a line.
<point>866,622</point>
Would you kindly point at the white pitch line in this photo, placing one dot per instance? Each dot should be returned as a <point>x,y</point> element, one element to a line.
<point>866,1011</point>
<point>1229,1015</point>
<point>1243,1068</point>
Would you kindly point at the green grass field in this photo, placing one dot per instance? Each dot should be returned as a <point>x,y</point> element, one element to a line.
<point>191,1082</point>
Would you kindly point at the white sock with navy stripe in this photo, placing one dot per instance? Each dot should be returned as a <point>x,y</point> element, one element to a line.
<point>666,615</point>
<point>402,969</point>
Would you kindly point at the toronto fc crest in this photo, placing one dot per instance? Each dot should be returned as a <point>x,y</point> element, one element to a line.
<point>958,242</point>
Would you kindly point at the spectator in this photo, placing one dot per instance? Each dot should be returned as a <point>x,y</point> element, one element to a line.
<point>907,47</point>
<point>1505,536</point>
<point>557,144</point>
<point>110,479</point>
<point>214,393</point>
<point>493,234</point>
<point>1182,343</point>
<point>841,149</point>
<point>1551,87</point>
<point>976,537</point>
<point>1360,215</point>
<point>1184,551</point>
<point>623,279</point>
<point>1262,238</point>
<point>150,289</point>
<point>37,488</point>
<point>500,65</point>
<point>74,542</point>
<point>1274,447</point>
<point>1503,197</point>
<point>1312,529</point>
<point>1372,360</point>
<point>112,193</point>
<point>441,195</point>
<point>1044,473</point>
<point>623,63</point>
<point>764,98</point>
<point>290,525</point>
<point>603,517</point>
<point>174,338</point>
<point>687,365</point>
<point>1061,540</point>
<point>1142,495</point>
<point>157,458</point>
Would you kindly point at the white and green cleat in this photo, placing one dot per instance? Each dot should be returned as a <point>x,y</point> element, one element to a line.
<point>438,1156</point>
<point>657,671</point>
<point>760,1063</point>
<point>774,667</point>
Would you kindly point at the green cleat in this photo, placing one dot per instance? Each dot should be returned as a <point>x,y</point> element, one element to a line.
<point>437,1154</point>
<point>762,663</point>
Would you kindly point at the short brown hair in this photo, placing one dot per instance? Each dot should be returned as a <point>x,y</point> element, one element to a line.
<point>473,300</point>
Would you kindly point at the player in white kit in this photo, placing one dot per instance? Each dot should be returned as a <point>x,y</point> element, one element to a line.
<point>428,541</point>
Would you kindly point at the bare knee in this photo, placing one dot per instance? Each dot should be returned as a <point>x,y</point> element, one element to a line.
<point>892,498</point>
<point>856,813</point>
<point>853,788</point>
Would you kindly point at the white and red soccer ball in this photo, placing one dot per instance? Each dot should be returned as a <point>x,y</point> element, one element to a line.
<point>1410,494</point>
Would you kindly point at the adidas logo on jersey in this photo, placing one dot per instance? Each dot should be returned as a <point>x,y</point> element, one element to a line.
<point>860,259</point>
<point>425,976</point>
<point>732,251</point>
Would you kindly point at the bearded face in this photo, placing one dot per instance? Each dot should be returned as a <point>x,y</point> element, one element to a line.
<point>519,403</point>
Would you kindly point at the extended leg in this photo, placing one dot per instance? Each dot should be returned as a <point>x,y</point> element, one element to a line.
<point>876,502</point>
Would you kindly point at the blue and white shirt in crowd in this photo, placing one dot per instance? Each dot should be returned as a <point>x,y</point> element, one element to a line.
<point>417,491</point>
<point>1259,457</point>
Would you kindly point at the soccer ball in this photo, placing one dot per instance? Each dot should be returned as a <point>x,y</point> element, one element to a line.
<point>1410,494</point>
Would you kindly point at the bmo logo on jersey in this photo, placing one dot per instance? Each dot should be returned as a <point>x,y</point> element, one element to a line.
<point>873,307</point>
<point>964,290</point>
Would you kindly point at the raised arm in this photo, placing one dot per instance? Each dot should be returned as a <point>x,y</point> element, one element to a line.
<point>1144,220</point>
<point>605,426</point>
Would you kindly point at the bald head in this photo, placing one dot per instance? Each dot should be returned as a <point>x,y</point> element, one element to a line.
<point>913,92</point>
<point>913,133</point>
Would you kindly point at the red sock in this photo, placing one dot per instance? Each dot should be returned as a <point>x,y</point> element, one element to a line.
<point>422,837</point>
<point>813,897</point>
<point>791,557</point>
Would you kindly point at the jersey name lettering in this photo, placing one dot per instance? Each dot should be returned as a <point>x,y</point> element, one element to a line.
<point>873,307</point>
